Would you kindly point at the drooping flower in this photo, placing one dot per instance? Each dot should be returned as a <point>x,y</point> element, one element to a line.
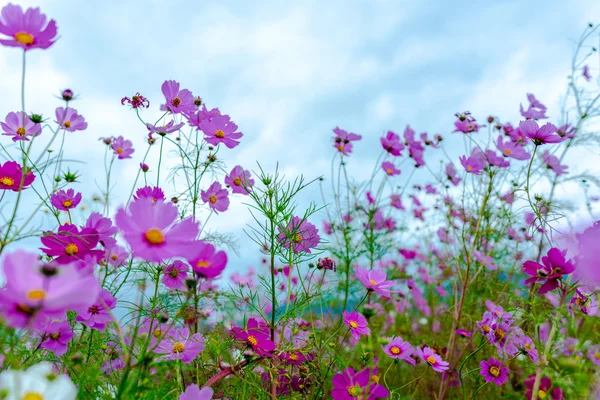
<point>11,175</point>
<point>202,114</point>
<point>216,197</point>
<point>175,274</point>
<point>392,144</point>
<point>390,169</point>
<point>540,135</point>
<point>37,382</point>
<point>239,180</point>
<point>136,101</point>
<point>256,335</point>
<point>342,140</point>
<point>180,344</point>
<point>451,174</point>
<point>20,126</point>
<point>122,148</point>
<point>433,359</point>
<point>550,272</point>
<point>56,335</point>
<point>398,349</point>
<point>193,392</point>
<point>69,119</point>
<point>177,101</point>
<point>351,385</point>
<point>206,261</point>
<point>586,73</point>
<point>396,201</point>
<point>553,163</point>
<point>512,150</point>
<point>98,314</point>
<point>300,235</point>
<point>71,244</point>
<point>65,199</point>
<point>221,129</point>
<point>375,280</point>
<point>153,231</point>
<point>27,30</point>
<point>357,323</point>
<point>536,109</point>
<point>493,370</point>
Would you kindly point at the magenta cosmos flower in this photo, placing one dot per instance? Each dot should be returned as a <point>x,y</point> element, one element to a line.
<point>540,135</point>
<point>357,323</point>
<point>136,101</point>
<point>221,129</point>
<point>70,244</point>
<point>390,168</point>
<point>392,144</point>
<point>554,266</point>
<point>206,261</point>
<point>153,231</point>
<point>149,192</point>
<point>475,163</point>
<point>104,227</point>
<point>544,389</point>
<point>65,199</point>
<point>35,292</point>
<point>256,335</point>
<point>177,101</point>
<point>493,370</point>
<point>180,345</point>
<point>536,109</point>
<point>433,359</point>
<point>351,385</point>
<point>11,175</point>
<point>553,163</point>
<point>342,140</point>
<point>300,235</point>
<point>27,30</point>
<point>375,280</point>
<point>451,174</point>
<point>69,120</point>
<point>56,336</point>
<point>512,150</point>
<point>216,197</point>
<point>175,274</point>
<point>98,314</point>
<point>162,130</point>
<point>239,180</point>
<point>20,126</point>
<point>193,392</point>
<point>398,349</point>
<point>122,148</point>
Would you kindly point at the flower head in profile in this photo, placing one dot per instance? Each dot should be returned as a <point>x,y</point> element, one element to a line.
<point>65,199</point>
<point>536,109</point>
<point>177,101</point>
<point>256,336</point>
<point>11,177</point>
<point>98,314</point>
<point>300,235</point>
<point>37,382</point>
<point>550,272</point>
<point>136,101</point>
<point>163,130</point>
<point>540,135</point>
<point>69,119</point>
<point>20,126</point>
<point>175,274</point>
<point>27,30</point>
<point>239,180</point>
<point>553,163</point>
<point>351,385</point>
<point>216,197</point>
<point>451,174</point>
<point>586,73</point>
<point>392,144</point>
<point>342,141</point>
<point>493,370</point>
<point>465,123</point>
<point>206,261</point>
<point>389,168</point>
<point>375,280</point>
<point>193,392</point>
<point>180,344</point>
<point>357,323</point>
<point>71,244</point>
<point>122,148</point>
<point>398,349</point>
<point>221,129</point>
<point>433,359</point>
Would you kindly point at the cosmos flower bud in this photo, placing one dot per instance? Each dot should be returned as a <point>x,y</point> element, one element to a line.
<point>67,95</point>
<point>144,167</point>
<point>36,118</point>
<point>198,101</point>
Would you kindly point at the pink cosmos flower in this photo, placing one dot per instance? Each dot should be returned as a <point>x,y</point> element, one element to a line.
<point>540,135</point>
<point>256,335</point>
<point>357,323</point>
<point>475,163</point>
<point>544,389</point>
<point>27,30</point>
<point>144,167</point>
<point>593,354</point>
<point>122,148</point>
<point>136,101</point>
<point>300,235</point>
<point>451,174</point>
<point>375,280</point>
<point>193,392</point>
<point>163,130</point>
<point>116,255</point>
<point>463,332</point>
<point>390,169</point>
<point>206,261</point>
<point>566,131</point>
<point>70,120</point>
<point>493,370</point>
<point>586,73</point>
<point>553,163</point>
<point>35,292</point>
<point>509,149</point>
<point>585,300</point>
<point>70,244</point>
<point>496,160</point>
<point>104,228</point>
<point>20,126</point>
<point>465,123</point>
<point>195,118</point>
<point>392,144</point>
<point>56,335</point>
<point>150,192</point>
<point>216,197</point>
<point>65,199</point>
<point>433,359</point>
<point>536,109</point>
<point>342,140</point>
<point>175,274</point>
<point>416,152</point>
<point>396,201</point>
<point>239,180</point>
<point>555,265</point>
<point>177,101</point>
<point>98,314</point>
<point>221,129</point>
<point>587,268</point>
<point>398,349</point>
<point>350,385</point>
<point>153,231</point>
<point>180,345</point>
<point>11,175</point>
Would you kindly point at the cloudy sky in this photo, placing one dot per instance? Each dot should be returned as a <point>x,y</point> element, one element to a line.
<point>288,72</point>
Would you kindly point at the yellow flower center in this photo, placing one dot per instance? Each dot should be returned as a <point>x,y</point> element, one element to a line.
<point>114,257</point>
<point>252,340</point>
<point>486,328</point>
<point>67,124</point>
<point>154,236</point>
<point>527,346</point>
<point>174,273</point>
<point>395,350</point>
<point>507,152</point>
<point>353,324</point>
<point>372,282</point>
<point>220,134</point>
<point>294,357</point>
<point>178,347</point>
<point>389,171</point>
<point>6,181</point>
<point>354,390</point>
<point>494,371</point>
<point>469,168</point>
<point>212,199</point>
<point>541,394</point>
<point>203,264</point>
<point>119,150</point>
<point>21,131</point>
<point>36,294</point>
<point>157,333</point>
<point>297,238</point>
<point>55,336</point>
<point>32,395</point>
<point>71,249</point>
<point>176,101</point>
<point>26,39</point>
<point>340,147</point>
<point>67,203</point>
<point>580,302</point>
<point>597,356</point>
<point>375,379</point>
<point>237,182</point>
<point>499,334</point>
<point>431,360</point>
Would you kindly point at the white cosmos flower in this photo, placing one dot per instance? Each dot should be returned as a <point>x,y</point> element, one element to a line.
<point>36,383</point>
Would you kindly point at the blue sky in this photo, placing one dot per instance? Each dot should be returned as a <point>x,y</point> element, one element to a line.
<point>288,72</point>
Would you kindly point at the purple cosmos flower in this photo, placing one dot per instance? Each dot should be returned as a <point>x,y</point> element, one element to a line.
<point>544,389</point>
<point>98,314</point>
<point>65,199</point>
<point>195,118</point>
<point>193,392</point>
<point>300,235</point>
<point>116,255</point>
<point>216,197</point>
<point>256,335</point>
<point>540,135</point>
<point>122,148</point>
<point>153,232</point>
<point>221,129</point>
<point>375,280</point>
<point>350,385</point>
<point>144,167</point>
<point>496,160</point>
<point>555,265</point>
<point>536,109</point>
<point>11,175</point>
<point>396,201</point>
<point>239,180</point>
<point>463,332</point>
<point>392,144</point>
<point>451,174</point>
<point>27,30</point>
<point>433,359</point>
<point>326,264</point>
<point>180,345</point>
<point>587,268</point>
<point>69,119</point>
<point>493,370</point>
<point>136,101</point>
<point>465,123</point>
<point>175,274</point>
<point>177,101</point>
<point>342,140</point>
<point>357,323</point>
<point>390,169</point>
<point>586,73</point>
<point>585,300</point>
<point>512,150</point>
<point>206,261</point>
<point>163,130</point>
<point>475,163</point>
<point>416,152</point>
<point>35,292</point>
<point>70,244</point>
<point>593,354</point>
<point>150,192</point>
<point>566,131</point>
<point>553,163</point>
<point>20,126</point>
<point>526,346</point>
<point>104,228</point>
<point>56,335</point>
<point>398,349</point>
